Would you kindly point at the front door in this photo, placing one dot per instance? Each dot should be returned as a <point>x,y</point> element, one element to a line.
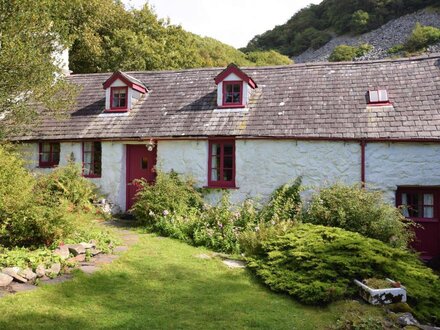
<point>141,164</point>
<point>422,205</point>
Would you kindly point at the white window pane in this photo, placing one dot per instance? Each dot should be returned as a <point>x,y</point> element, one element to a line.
<point>383,95</point>
<point>215,149</point>
<point>428,199</point>
<point>214,174</point>
<point>87,169</point>
<point>88,146</point>
<point>45,147</point>
<point>404,199</point>
<point>374,96</point>
<point>428,212</point>
<point>404,204</point>
<point>87,157</point>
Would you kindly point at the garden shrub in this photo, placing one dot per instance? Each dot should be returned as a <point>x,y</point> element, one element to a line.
<point>67,184</point>
<point>343,53</point>
<point>171,195</point>
<point>421,37</point>
<point>356,209</point>
<point>284,203</point>
<point>317,264</point>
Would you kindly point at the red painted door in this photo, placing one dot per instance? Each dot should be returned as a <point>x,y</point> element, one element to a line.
<point>141,163</point>
<point>422,205</point>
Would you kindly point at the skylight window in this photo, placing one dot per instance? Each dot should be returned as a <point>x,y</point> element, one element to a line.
<point>378,96</point>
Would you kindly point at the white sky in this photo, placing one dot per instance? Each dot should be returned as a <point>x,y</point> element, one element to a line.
<point>234,22</point>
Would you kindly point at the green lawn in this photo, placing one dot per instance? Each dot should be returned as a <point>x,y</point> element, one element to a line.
<point>159,284</point>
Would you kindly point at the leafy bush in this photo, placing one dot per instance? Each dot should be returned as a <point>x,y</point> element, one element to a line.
<point>421,37</point>
<point>355,209</point>
<point>396,49</point>
<point>317,265</point>
<point>359,21</point>
<point>170,195</point>
<point>343,53</point>
<point>67,184</point>
<point>284,204</point>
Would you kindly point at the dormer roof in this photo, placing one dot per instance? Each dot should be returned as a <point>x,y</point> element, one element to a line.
<point>130,81</point>
<point>234,69</point>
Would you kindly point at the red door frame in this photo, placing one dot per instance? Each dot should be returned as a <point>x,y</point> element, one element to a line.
<point>435,190</point>
<point>128,168</point>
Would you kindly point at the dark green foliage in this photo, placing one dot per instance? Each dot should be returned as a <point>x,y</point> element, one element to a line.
<point>332,16</point>
<point>343,53</point>
<point>356,209</point>
<point>317,265</point>
<point>422,37</point>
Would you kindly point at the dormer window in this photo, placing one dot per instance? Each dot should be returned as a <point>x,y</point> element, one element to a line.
<point>233,93</point>
<point>122,92</point>
<point>234,88</point>
<point>379,96</point>
<point>119,98</point>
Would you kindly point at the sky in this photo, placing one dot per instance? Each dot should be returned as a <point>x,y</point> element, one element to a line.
<point>234,22</point>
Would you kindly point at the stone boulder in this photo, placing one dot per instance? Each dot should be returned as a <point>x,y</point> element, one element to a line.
<point>13,272</point>
<point>28,274</point>
<point>40,271</point>
<point>406,319</point>
<point>86,245</point>
<point>54,269</point>
<point>78,258</point>
<point>62,251</point>
<point>5,280</point>
<point>76,249</point>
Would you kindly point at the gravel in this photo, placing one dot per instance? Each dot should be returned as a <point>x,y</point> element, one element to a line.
<point>388,35</point>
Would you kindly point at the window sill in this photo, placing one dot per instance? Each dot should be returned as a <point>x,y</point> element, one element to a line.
<point>232,106</point>
<point>47,166</point>
<point>380,104</point>
<point>116,110</point>
<point>92,176</point>
<point>221,187</point>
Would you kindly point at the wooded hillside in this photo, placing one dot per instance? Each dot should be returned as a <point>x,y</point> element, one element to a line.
<point>315,25</point>
<point>104,36</point>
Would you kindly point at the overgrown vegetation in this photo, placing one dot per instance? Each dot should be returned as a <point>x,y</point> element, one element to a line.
<point>356,209</point>
<point>422,37</point>
<point>317,265</point>
<point>295,248</point>
<point>349,53</point>
<point>313,26</point>
<point>39,212</point>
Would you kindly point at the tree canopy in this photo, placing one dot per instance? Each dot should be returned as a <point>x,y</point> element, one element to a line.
<point>314,25</point>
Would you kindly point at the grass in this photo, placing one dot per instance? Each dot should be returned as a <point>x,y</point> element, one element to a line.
<point>159,284</point>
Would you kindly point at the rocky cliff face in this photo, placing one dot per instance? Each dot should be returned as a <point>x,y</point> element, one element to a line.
<point>393,33</point>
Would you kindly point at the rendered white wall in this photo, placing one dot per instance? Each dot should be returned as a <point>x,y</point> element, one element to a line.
<point>389,165</point>
<point>264,165</point>
<point>184,157</point>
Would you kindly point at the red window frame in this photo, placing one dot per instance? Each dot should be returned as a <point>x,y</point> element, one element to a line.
<point>232,104</point>
<point>123,108</point>
<point>54,154</point>
<point>421,190</point>
<point>95,163</point>
<point>220,182</point>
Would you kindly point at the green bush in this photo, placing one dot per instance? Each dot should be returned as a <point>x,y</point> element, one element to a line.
<point>356,209</point>
<point>67,184</point>
<point>421,37</point>
<point>170,196</point>
<point>317,265</point>
<point>343,53</point>
<point>396,49</point>
<point>284,203</point>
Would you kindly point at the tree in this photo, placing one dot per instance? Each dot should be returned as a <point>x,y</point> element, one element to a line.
<point>28,41</point>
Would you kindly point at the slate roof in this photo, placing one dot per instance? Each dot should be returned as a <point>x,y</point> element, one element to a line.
<point>319,100</point>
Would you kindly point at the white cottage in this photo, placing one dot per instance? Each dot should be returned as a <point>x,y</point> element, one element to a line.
<point>254,129</point>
